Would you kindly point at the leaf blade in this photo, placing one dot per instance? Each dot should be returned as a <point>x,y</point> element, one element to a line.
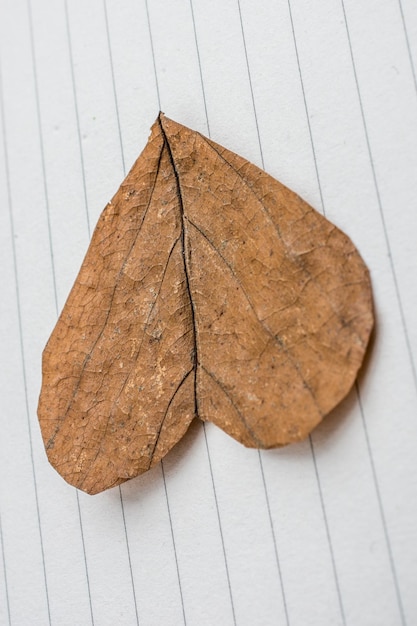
<point>209,289</point>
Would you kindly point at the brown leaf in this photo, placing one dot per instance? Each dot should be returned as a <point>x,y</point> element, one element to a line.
<point>209,289</point>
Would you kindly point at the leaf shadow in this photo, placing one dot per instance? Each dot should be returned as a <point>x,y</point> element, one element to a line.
<point>363,374</point>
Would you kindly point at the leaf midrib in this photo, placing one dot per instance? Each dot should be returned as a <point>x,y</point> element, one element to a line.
<point>186,257</point>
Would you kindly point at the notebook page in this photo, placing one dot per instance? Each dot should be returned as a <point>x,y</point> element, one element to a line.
<point>323,96</point>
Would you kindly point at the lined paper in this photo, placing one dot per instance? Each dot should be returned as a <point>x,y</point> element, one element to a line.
<point>323,96</point>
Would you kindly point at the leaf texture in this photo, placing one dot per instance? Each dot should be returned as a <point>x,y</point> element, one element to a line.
<point>209,290</point>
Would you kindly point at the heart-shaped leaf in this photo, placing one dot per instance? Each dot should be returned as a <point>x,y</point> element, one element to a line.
<point>209,290</point>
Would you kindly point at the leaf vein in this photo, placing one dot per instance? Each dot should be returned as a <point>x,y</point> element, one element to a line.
<point>240,415</point>
<point>180,384</point>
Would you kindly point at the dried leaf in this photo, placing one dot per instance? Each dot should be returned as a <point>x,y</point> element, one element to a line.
<point>209,290</point>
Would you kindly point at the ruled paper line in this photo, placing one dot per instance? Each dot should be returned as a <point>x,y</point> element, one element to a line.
<point>116,106</point>
<point>250,84</point>
<point>6,586</point>
<point>77,114</point>
<point>306,106</point>
<point>379,200</point>
<point>116,102</point>
<point>173,542</point>
<point>381,510</point>
<point>199,67</point>
<point>316,472</point>
<point>85,558</point>
<point>22,349</point>
<point>38,117</point>
<point>153,55</point>
<point>51,250</point>
<point>132,580</point>
<point>220,526</point>
<point>327,528</point>
<point>271,523</point>
<point>407,43</point>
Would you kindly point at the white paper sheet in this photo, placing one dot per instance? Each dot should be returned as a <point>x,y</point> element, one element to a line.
<point>323,95</point>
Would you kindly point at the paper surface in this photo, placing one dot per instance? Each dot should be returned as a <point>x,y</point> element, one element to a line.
<point>323,95</point>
